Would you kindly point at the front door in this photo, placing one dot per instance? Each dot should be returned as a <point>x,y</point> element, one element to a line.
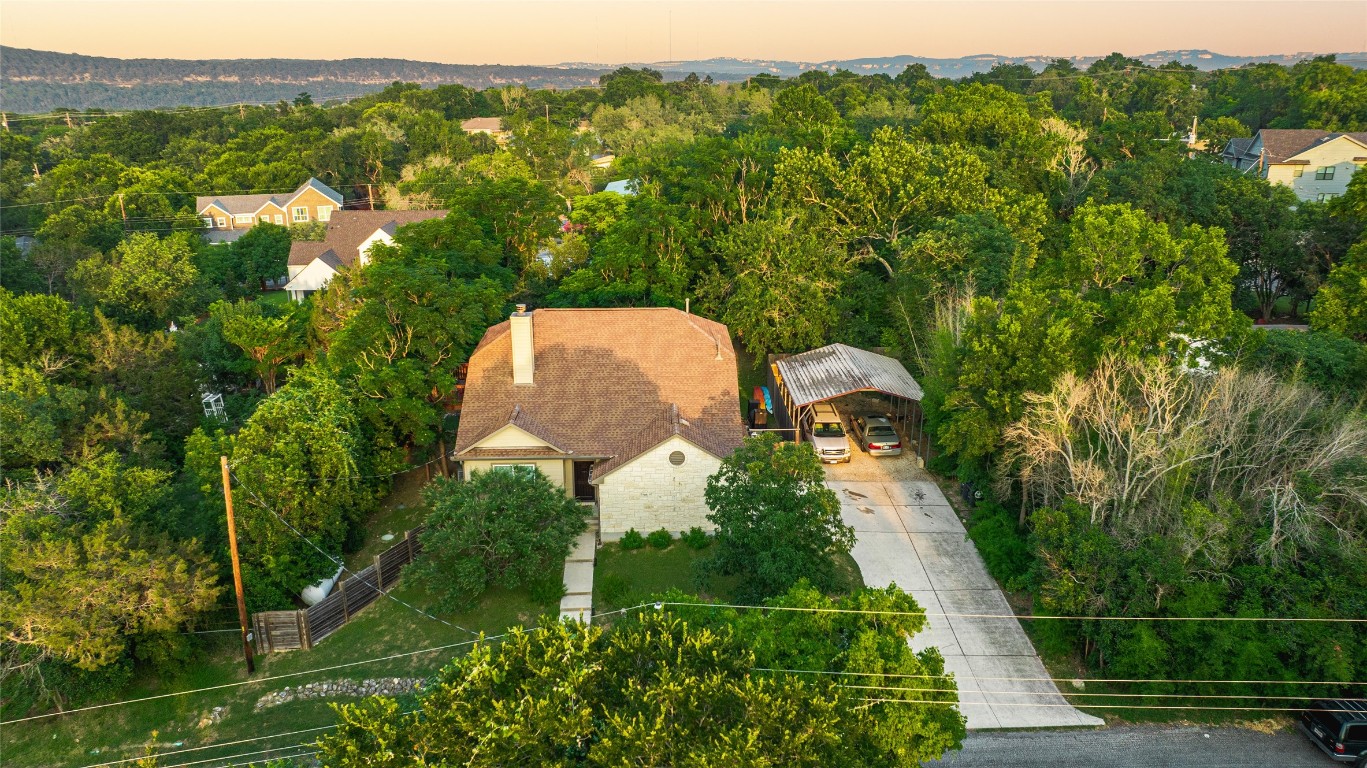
<point>583,491</point>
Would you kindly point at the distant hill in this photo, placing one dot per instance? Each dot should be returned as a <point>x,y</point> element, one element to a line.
<point>40,81</point>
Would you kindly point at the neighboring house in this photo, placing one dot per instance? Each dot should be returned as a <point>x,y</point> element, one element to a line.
<point>490,125</point>
<point>633,408</point>
<point>227,216</point>
<point>623,187</point>
<point>603,161</point>
<point>350,235</point>
<point>1315,164</point>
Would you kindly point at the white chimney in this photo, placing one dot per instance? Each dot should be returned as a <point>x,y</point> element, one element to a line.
<point>524,358</point>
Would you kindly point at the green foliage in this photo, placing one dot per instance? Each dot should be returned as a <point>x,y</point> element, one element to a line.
<point>145,281</point>
<point>776,520</point>
<point>547,590</point>
<point>651,691</point>
<point>269,335</point>
<point>1341,305</point>
<point>497,528</point>
<point>632,539</point>
<point>660,539</point>
<point>1004,549</point>
<point>695,538</point>
<point>1334,364</point>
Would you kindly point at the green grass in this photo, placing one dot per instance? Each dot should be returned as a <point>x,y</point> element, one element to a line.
<point>384,629</point>
<point>751,374</point>
<point>278,298</point>
<point>401,511</point>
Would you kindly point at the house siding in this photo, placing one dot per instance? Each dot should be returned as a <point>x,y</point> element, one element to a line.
<point>650,493</point>
<point>314,277</point>
<point>560,472</point>
<point>1338,153</point>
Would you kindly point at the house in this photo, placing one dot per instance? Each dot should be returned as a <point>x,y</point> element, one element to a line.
<point>492,126</point>
<point>348,240</point>
<point>1315,164</point>
<point>603,160</point>
<point>623,187</point>
<point>631,408</point>
<point>227,216</point>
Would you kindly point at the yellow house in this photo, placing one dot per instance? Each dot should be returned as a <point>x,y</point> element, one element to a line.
<point>1315,164</point>
<point>313,201</point>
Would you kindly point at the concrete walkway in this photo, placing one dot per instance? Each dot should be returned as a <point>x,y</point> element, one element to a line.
<point>577,603</point>
<point>908,535</point>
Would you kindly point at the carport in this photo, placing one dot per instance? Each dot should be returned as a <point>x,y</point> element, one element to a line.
<point>803,380</point>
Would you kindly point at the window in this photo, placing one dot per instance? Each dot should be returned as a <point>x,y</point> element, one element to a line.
<point>280,219</point>
<point>208,221</point>
<point>1324,173</point>
<point>299,214</point>
<point>221,222</point>
<point>827,429</point>
<point>1297,172</point>
<point>242,218</point>
<point>324,212</point>
<point>529,469</point>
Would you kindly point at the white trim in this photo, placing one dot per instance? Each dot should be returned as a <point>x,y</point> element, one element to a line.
<point>280,219</point>
<point>221,222</point>
<point>324,212</point>
<point>294,214</point>
<point>243,218</point>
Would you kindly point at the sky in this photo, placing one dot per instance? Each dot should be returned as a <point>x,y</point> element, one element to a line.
<point>559,31</point>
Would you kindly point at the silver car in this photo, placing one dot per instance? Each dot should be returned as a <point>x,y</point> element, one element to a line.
<point>877,436</point>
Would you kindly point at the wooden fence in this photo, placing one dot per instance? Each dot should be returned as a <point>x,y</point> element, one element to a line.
<point>292,630</point>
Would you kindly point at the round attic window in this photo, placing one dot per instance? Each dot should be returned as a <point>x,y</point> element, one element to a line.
<point>676,458</point>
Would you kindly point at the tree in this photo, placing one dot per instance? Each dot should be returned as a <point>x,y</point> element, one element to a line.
<point>146,281</point>
<point>504,528</point>
<point>146,371</point>
<point>655,691</point>
<point>780,278</point>
<point>267,334</point>
<point>87,573</point>
<point>1341,305</point>
<point>776,520</point>
<point>260,255</point>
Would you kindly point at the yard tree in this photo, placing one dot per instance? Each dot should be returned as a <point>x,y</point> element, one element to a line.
<point>654,691</point>
<point>269,335</point>
<point>406,328</point>
<point>300,463</point>
<point>261,254</point>
<point>146,281</point>
<point>500,527</point>
<point>776,520</point>
<point>147,372</point>
<point>781,276</point>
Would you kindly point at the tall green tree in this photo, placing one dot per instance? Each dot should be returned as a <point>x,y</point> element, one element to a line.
<point>776,520</point>
<point>146,281</point>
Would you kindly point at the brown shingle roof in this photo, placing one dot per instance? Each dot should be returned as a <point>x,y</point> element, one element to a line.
<point>253,203</point>
<point>609,383</point>
<point>348,229</point>
<point>482,124</point>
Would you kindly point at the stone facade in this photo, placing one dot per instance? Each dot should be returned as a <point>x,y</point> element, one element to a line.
<point>650,492</point>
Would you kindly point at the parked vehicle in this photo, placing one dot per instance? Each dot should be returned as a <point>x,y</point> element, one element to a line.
<point>1338,728</point>
<point>876,435</point>
<point>827,435</point>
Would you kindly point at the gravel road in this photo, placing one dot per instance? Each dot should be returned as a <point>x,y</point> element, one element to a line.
<point>1137,747</point>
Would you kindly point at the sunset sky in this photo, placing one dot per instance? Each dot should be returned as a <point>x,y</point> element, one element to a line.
<point>554,31</point>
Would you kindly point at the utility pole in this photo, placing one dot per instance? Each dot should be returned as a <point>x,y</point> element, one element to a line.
<point>237,566</point>
<point>4,120</point>
<point>548,117</point>
<point>123,213</point>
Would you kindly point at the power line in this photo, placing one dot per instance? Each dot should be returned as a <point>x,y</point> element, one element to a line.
<point>213,746</point>
<point>1110,695</point>
<point>1269,619</point>
<point>1344,683</point>
<point>1102,706</point>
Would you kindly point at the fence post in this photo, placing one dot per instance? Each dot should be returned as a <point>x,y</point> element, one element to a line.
<point>408,539</point>
<point>301,621</point>
<point>379,574</point>
<point>341,587</point>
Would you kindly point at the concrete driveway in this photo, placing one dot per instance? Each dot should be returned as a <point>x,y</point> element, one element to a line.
<point>908,535</point>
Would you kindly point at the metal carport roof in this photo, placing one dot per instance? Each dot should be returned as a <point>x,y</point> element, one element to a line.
<point>838,369</point>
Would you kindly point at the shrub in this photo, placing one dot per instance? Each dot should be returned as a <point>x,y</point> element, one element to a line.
<point>548,590</point>
<point>504,528</point>
<point>615,590</point>
<point>1005,551</point>
<point>632,539</point>
<point>660,539</point>
<point>695,538</point>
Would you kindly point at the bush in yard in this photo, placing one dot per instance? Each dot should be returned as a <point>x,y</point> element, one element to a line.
<point>776,520</point>
<point>614,589</point>
<point>632,539</point>
<point>499,528</point>
<point>1005,550</point>
<point>547,590</point>
<point>660,539</point>
<point>695,538</point>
